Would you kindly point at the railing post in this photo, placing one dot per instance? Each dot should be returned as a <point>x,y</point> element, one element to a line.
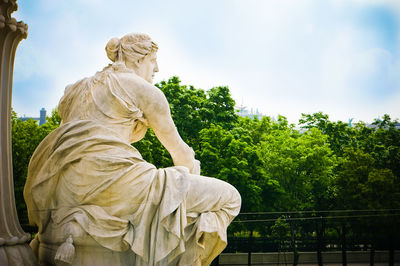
<point>249,250</point>
<point>320,233</point>
<point>343,240</point>
<point>391,250</point>
<point>372,254</point>
<point>293,241</point>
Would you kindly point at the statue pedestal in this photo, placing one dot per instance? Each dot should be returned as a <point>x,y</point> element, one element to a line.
<point>14,249</point>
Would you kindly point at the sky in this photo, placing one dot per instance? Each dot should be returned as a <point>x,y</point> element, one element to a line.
<point>341,57</point>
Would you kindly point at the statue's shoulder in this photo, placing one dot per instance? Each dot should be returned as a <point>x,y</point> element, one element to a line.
<point>129,80</point>
<point>146,95</point>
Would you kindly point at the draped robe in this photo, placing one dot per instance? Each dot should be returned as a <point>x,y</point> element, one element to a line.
<point>87,172</point>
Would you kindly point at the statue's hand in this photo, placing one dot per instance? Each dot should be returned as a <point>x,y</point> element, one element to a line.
<point>196,168</point>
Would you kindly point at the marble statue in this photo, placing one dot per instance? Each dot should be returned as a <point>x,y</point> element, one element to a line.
<point>94,198</point>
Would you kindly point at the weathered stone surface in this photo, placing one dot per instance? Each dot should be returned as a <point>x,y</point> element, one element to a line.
<point>93,197</point>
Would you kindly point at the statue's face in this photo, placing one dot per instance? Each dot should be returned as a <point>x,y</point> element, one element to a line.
<point>148,67</point>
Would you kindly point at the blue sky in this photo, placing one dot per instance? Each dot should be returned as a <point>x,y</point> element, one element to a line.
<point>341,57</point>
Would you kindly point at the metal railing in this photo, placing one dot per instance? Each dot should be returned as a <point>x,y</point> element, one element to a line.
<point>316,231</point>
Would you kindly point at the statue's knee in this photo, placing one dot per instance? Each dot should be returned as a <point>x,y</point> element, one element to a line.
<point>237,198</point>
<point>235,201</point>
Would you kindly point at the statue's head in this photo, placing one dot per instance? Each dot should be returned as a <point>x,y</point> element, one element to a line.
<point>137,51</point>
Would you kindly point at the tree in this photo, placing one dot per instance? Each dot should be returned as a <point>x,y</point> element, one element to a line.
<point>302,164</point>
<point>340,134</point>
<point>187,106</point>
<point>220,102</point>
<point>227,158</point>
<point>361,185</point>
<point>385,146</point>
<point>153,151</point>
<point>26,136</point>
<point>194,109</point>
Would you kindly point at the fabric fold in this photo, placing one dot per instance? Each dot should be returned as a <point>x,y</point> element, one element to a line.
<point>87,174</point>
<point>85,169</point>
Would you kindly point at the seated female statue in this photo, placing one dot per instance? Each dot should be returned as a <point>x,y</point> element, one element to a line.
<point>89,190</point>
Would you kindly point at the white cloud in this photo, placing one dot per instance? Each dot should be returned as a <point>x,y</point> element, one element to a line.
<point>279,56</point>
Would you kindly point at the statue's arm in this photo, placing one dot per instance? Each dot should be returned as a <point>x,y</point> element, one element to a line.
<point>156,110</point>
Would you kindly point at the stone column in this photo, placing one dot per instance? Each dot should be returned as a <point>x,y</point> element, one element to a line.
<point>14,248</point>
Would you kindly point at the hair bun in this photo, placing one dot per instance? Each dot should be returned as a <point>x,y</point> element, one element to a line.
<point>112,48</point>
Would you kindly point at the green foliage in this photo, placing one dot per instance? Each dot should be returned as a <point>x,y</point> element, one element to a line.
<point>302,164</point>
<point>369,172</point>
<point>360,185</point>
<point>385,146</point>
<point>153,151</point>
<point>233,160</point>
<point>280,229</point>
<point>340,135</point>
<point>275,167</point>
<point>26,136</point>
<point>187,107</point>
<point>221,106</point>
<point>54,120</point>
<point>194,109</point>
